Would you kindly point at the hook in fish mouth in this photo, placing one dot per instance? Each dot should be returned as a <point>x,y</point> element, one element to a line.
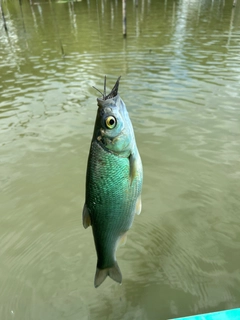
<point>113,92</point>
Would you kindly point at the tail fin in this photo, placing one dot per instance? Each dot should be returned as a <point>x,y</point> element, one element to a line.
<point>113,272</point>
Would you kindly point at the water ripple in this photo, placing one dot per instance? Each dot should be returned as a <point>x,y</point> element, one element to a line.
<point>180,82</point>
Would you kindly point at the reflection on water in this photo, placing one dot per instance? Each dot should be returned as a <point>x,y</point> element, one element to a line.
<point>181,83</point>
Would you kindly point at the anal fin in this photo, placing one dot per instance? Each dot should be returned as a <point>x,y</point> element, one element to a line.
<point>123,240</point>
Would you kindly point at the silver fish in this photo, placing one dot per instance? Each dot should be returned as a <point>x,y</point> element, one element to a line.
<point>113,182</point>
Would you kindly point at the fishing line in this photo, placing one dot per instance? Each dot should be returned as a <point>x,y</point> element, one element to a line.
<point>98,91</point>
<point>104,92</point>
<point>7,33</point>
<point>99,34</point>
<point>113,92</point>
<point>57,28</point>
<point>3,17</point>
<point>23,23</point>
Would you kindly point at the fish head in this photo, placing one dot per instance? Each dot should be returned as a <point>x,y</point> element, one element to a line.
<point>113,128</point>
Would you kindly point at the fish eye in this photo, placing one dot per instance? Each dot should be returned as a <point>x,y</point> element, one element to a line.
<point>110,122</point>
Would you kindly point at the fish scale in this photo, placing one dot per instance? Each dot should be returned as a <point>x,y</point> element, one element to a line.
<point>109,188</point>
<point>110,198</point>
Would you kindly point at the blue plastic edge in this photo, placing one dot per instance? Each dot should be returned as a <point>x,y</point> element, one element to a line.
<point>233,314</point>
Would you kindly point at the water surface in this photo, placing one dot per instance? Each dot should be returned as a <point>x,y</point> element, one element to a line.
<point>181,84</point>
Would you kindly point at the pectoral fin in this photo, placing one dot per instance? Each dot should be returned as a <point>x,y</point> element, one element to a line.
<point>86,217</point>
<point>133,167</point>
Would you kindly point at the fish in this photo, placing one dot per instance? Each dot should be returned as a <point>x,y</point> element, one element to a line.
<point>114,180</point>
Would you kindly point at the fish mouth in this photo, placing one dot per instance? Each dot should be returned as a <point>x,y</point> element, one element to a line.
<point>112,94</point>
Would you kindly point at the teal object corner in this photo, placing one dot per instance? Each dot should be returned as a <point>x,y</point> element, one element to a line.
<point>233,314</point>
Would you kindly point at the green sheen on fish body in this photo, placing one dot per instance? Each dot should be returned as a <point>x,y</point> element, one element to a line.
<point>113,183</point>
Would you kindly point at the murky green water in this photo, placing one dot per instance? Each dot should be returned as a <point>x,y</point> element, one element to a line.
<point>180,67</point>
